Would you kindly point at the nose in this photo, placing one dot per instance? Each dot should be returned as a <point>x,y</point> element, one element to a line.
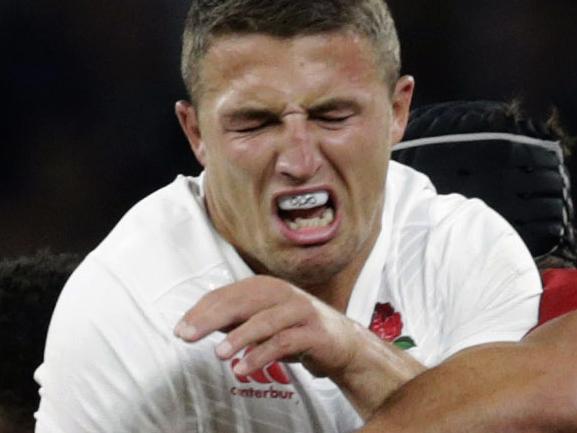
<point>299,157</point>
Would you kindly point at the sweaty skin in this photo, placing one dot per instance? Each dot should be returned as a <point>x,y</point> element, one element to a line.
<point>279,117</point>
<point>525,387</point>
<point>282,321</point>
<point>283,117</point>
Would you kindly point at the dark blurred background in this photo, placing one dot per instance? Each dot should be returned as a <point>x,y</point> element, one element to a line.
<point>87,91</point>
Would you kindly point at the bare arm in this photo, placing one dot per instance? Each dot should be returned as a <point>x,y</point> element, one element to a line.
<point>280,321</point>
<point>526,387</point>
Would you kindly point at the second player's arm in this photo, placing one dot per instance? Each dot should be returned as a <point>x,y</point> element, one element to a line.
<point>525,387</point>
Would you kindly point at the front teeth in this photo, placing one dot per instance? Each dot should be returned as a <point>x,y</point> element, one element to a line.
<point>323,221</point>
<point>304,201</point>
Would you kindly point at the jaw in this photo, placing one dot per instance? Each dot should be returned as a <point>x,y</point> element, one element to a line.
<point>304,266</point>
<point>326,270</point>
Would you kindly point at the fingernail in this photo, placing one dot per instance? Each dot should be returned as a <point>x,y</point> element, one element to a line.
<point>185,331</point>
<point>224,349</point>
<point>241,368</point>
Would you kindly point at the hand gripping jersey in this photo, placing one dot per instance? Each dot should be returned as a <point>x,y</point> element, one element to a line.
<point>445,273</point>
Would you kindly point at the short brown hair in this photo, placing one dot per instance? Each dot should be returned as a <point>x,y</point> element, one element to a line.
<point>208,19</point>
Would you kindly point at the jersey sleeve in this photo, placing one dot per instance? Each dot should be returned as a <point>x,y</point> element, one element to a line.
<point>488,282</point>
<point>107,366</point>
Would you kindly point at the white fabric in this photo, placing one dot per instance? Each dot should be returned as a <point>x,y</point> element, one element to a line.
<point>454,269</point>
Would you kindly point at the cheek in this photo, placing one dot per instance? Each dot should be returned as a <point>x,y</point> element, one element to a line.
<point>230,158</point>
<point>361,158</point>
<point>240,168</point>
<point>362,152</point>
<point>256,158</point>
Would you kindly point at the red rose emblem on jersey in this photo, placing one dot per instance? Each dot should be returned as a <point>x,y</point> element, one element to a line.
<point>388,325</point>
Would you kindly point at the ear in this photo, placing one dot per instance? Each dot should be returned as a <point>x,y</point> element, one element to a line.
<point>188,119</point>
<point>402,96</point>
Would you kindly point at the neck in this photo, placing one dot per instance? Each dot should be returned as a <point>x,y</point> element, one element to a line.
<point>337,292</point>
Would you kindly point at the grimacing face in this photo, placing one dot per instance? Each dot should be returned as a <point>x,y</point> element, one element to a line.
<point>295,137</point>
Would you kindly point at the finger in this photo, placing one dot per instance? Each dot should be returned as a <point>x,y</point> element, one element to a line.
<point>291,342</point>
<point>230,306</point>
<point>263,326</point>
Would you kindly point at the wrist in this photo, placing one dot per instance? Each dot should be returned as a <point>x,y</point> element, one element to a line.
<point>376,369</point>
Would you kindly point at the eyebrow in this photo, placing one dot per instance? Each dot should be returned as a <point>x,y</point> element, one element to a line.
<point>337,104</point>
<point>248,114</point>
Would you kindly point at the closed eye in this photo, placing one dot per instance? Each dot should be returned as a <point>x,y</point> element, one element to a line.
<point>248,120</point>
<point>334,112</point>
<point>334,119</point>
<point>254,126</point>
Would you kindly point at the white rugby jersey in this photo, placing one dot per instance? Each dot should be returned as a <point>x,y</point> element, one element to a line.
<point>445,273</point>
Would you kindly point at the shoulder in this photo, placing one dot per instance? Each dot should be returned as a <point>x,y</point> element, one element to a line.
<point>111,331</point>
<point>167,214</point>
<point>414,203</point>
<point>460,268</point>
<point>154,265</point>
<point>448,239</point>
<point>163,240</point>
<point>102,358</point>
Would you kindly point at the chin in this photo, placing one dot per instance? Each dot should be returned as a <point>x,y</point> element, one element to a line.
<point>308,269</point>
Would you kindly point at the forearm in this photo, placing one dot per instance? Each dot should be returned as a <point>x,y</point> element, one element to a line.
<point>375,373</point>
<point>281,321</point>
<point>460,395</point>
<point>526,387</point>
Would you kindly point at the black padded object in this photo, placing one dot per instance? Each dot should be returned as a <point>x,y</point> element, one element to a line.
<point>462,117</point>
<point>524,182</point>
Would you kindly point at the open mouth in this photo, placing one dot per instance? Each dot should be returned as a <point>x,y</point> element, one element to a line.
<point>307,217</point>
<point>314,209</point>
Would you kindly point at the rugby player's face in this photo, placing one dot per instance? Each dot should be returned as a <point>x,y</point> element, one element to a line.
<point>295,137</point>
